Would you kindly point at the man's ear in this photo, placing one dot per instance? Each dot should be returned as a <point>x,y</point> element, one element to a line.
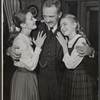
<point>60,14</point>
<point>23,25</point>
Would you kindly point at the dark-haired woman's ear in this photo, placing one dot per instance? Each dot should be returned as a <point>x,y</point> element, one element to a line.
<point>23,25</point>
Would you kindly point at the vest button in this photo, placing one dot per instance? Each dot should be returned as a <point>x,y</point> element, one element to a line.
<point>48,53</point>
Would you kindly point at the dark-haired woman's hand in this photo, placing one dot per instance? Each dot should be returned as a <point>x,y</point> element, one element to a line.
<point>11,51</point>
<point>40,39</point>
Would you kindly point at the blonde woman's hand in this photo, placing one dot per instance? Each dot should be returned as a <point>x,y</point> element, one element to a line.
<point>62,42</point>
<point>40,39</point>
<point>61,39</point>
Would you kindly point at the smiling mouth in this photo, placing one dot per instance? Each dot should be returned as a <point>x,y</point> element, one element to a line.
<point>65,31</point>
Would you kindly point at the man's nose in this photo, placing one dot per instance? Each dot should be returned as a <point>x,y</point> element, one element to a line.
<point>47,19</point>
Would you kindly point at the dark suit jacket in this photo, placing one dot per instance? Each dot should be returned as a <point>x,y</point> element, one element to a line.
<point>59,67</point>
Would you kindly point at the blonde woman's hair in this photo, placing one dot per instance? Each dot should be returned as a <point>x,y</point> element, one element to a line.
<point>72,18</point>
<point>79,29</point>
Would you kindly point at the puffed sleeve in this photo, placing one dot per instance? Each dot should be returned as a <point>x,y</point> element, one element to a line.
<point>28,58</point>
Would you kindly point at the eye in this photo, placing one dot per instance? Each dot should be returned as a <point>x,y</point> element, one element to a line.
<point>51,16</point>
<point>65,24</point>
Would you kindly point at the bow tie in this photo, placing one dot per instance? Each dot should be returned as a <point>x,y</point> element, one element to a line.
<point>51,28</point>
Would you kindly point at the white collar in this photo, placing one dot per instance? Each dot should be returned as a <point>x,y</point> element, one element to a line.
<point>54,28</point>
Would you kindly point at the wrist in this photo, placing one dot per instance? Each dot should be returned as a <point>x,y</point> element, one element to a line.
<point>65,50</point>
<point>7,51</point>
<point>92,52</point>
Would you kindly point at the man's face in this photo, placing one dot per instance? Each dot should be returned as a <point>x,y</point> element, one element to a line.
<point>51,16</point>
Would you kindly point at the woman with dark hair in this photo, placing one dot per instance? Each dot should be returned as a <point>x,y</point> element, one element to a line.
<point>24,84</point>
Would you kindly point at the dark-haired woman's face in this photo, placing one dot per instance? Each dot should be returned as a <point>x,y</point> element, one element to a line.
<point>30,21</point>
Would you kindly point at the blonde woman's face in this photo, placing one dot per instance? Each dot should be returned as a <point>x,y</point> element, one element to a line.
<point>30,21</point>
<point>67,26</point>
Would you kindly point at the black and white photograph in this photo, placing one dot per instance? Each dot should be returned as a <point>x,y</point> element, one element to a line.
<point>50,50</point>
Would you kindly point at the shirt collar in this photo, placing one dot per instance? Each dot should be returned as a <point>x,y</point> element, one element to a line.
<point>54,28</point>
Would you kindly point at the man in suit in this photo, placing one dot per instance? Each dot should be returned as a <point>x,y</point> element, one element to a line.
<point>50,68</point>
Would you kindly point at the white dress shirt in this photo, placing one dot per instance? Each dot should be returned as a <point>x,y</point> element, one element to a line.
<point>54,28</point>
<point>29,58</point>
<point>73,60</point>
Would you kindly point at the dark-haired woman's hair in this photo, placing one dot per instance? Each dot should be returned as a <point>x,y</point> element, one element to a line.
<point>18,18</point>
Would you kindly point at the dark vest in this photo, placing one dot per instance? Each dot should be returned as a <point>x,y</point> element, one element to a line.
<point>52,53</point>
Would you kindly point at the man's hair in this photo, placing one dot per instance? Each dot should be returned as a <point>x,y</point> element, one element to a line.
<point>50,3</point>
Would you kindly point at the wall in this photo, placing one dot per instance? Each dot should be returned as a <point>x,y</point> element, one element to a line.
<point>26,3</point>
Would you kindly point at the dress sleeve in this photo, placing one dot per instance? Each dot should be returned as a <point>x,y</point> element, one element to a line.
<point>29,58</point>
<point>73,60</point>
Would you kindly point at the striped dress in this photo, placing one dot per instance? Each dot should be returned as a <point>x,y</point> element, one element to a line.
<point>76,84</point>
<point>24,85</point>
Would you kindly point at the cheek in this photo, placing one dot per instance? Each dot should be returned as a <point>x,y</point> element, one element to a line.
<point>61,30</point>
<point>54,19</point>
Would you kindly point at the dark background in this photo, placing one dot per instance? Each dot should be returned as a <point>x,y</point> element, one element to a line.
<point>87,12</point>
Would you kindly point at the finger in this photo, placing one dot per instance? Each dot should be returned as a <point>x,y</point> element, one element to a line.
<point>38,34</point>
<point>79,47</point>
<point>15,47</point>
<point>41,33</point>
<point>44,36</point>
<point>58,33</point>
<point>33,39</point>
<point>16,56</point>
<point>81,55</point>
<point>79,51</point>
<point>58,38</point>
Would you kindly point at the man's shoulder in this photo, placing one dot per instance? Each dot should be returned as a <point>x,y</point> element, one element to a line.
<point>40,24</point>
<point>40,27</point>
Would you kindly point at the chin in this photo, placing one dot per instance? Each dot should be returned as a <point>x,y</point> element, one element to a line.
<point>34,27</point>
<point>50,25</point>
